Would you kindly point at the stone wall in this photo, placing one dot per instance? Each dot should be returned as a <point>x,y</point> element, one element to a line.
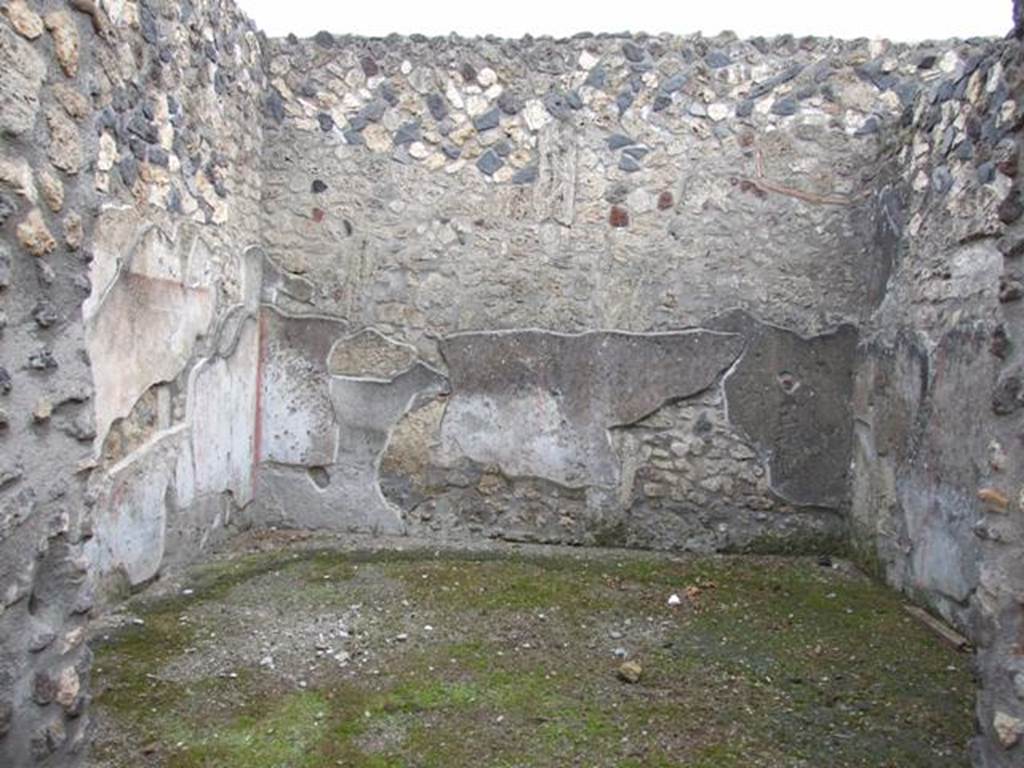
<point>938,485</point>
<point>129,188</point>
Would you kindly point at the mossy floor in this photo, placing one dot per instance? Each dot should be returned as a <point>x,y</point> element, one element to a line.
<point>305,657</point>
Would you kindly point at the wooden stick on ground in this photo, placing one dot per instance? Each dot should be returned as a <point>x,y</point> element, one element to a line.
<point>940,628</point>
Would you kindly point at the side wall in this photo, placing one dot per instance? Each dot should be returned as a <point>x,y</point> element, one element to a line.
<point>129,144</point>
<point>938,480</point>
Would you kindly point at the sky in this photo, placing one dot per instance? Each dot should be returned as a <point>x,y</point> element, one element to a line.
<point>902,20</point>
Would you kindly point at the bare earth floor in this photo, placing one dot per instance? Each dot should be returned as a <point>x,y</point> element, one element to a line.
<point>287,650</point>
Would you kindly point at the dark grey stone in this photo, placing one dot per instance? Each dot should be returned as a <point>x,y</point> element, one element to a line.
<point>574,99</point>
<point>618,141</point>
<point>158,156</point>
<point>451,151</point>
<point>597,78</point>
<point>489,162</point>
<point>143,129</point>
<point>387,92</point>
<point>221,82</point>
<point>964,150</point>
<point>745,108</point>
<point>661,102</point>
<point>509,103</point>
<point>400,154</point>
<point>369,66</point>
<point>128,167</point>
<point>944,92</point>
<point>274,106</point>
<point>674,83</point>
<point>5,265</point>
<point>318,187</point>
<point>1011,289</point>
<point>1011,208</point>
<point>407,134</point>
<point>374,111</point>
<point>907,91</point>
<point>637,151</point>
<point>557,105</point>
<point>628,164</point>
<point>147,26</point>
<point>1008,396</point>
<point>632,51</point>
<point>942,180</point>
<point>717,59</point>
<point>869,128</point>
<point>772,83</point>
<point>785,107</point>
<point>326,122</point>
<point>138,149</point>
<point>324,39</point>
<point>526,175</point>
<point>353,137</point>
<point>437,105</point>
<point>7,208</point>
<point>624,101</point>
<point>488,120</point>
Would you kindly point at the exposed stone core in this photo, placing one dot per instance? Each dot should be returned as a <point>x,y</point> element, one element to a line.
<point>667,292</point>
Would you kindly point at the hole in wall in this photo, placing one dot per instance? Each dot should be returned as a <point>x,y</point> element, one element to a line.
<point>788,382</point>
<point>319,476</point>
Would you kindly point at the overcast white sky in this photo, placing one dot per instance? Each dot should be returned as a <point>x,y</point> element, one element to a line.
<point>905,20</point>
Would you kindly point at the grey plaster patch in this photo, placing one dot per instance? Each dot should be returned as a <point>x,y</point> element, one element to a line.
<point>540,404</point>
<point>791,395</point>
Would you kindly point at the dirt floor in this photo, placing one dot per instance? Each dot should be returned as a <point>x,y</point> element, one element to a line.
<point>290,651</point>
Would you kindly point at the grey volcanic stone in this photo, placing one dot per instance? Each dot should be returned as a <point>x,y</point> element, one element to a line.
<point>618,141</point>
<point>489,162</point>
<point>785,107</point>
<point>487,120</point>
<point>407,134</point>
<point>437,105</point>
